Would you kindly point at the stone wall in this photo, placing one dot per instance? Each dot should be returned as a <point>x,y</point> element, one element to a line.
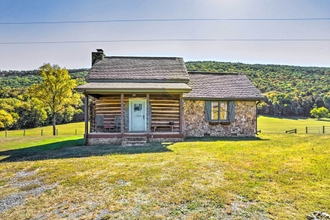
<point>165,139</point>
<point>103,141</point>
<point>196,126</point>
<point>114,141</point>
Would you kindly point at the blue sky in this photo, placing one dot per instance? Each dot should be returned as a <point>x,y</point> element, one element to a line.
<point>77,55</point>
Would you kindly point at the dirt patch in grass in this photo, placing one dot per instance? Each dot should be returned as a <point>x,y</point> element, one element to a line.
<point>34,187</point>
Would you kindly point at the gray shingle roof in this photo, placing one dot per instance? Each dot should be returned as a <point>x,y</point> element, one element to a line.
<point>221,86</point>
<point>113,68</point>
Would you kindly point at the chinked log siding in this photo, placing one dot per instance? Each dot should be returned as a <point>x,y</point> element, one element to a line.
<point>163,113</point>
<point>109,106</point>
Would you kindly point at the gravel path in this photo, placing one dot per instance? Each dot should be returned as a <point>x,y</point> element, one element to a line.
<point>18,198</point>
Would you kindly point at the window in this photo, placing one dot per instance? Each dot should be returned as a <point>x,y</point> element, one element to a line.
<point>220,111</point>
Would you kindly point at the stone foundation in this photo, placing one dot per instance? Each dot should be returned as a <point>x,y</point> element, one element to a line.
<point>196,126</point>
<point>113,141</point>
<point>165,139</point>
<point>103,141</point>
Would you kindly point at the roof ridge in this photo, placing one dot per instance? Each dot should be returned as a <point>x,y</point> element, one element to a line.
<point>143,57</point>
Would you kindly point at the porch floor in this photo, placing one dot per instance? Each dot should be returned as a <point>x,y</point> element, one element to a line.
<point>137,134</point>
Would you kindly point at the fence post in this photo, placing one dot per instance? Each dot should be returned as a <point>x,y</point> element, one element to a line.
<point>306,130</point>
<point>42,132</point>
<point>323,129</point>
<point>295,130</point>
<point>24,133</point>
<point>75,132</point>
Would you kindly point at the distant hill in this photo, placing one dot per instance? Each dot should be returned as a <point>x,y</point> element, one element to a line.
<point>289,90</point>
<point>14,80</point>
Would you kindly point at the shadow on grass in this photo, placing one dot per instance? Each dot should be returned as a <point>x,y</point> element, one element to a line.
<point>286,117</point>
<point>210,139</point>
<point>75,149</point>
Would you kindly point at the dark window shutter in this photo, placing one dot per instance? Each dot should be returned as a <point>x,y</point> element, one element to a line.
<point>207,111</point>
<point>232,111</point>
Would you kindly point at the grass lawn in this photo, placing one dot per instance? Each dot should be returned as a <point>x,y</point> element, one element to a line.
<point>275,176</point>
<point>269,124</point>
<point>64,129</point>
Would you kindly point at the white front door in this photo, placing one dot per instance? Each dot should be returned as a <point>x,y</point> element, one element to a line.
<point>137,110</point>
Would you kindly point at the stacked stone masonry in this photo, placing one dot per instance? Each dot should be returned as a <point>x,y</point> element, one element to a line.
<point>196,126</point>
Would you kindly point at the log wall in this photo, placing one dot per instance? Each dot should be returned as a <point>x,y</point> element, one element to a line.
<point>109,106</point>
<point>165,108</point>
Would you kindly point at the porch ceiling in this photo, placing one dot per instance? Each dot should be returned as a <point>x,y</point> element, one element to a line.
<point>133,87</point>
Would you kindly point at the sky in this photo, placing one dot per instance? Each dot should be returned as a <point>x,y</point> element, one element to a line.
<point>134,29</point>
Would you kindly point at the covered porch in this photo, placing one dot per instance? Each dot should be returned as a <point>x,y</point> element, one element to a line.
<point>112,116</point>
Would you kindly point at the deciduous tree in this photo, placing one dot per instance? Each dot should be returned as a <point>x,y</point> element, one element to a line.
<point>55,91</point>
<point>319,112</point>
<point>5,119</point>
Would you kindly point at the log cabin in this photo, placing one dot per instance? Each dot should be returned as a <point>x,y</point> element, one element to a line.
<point>133,100</point>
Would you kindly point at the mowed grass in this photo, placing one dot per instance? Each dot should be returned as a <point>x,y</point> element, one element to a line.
<point>269,124</point>
<point>64,129</point>
<point>275,176</point>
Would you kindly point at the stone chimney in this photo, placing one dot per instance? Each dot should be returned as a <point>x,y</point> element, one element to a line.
<point>99,55</point>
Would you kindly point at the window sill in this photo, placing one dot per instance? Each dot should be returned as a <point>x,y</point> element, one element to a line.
<point>219,122</point>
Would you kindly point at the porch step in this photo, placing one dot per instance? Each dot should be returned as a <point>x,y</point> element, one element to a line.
<point>133,141</point>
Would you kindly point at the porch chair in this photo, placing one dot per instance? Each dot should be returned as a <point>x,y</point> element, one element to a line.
<point>99,122</point>
<point>117,122</point>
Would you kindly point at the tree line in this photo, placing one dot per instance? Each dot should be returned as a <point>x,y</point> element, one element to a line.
<point>288,90</point>
<point>46,98</point>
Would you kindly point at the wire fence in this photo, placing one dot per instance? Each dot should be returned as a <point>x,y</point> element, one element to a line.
<point>79,131</point>
<point>318,130</point>
<point>299,130</point>
<point>41,132</point>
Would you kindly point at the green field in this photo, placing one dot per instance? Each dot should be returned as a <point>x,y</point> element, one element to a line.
<point>273,176</point>
<point>64,129</point>
<point>269,124</point>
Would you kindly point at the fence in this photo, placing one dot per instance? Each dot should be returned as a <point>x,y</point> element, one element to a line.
<point>293,131</point>
<point>311,130</point>
<point>318,130</point>
<point>41,132</point>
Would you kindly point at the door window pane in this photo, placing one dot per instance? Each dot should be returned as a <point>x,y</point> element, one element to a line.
<point>137,107</point>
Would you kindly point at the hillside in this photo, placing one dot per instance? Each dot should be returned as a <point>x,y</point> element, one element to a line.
<point>289,90</point>
<point>16,105</point>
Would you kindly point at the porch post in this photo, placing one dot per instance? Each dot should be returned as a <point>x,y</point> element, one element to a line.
<point>122,126</point>
<point>86,120</point>
<point>181,114</point>
<point>148,116</point>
